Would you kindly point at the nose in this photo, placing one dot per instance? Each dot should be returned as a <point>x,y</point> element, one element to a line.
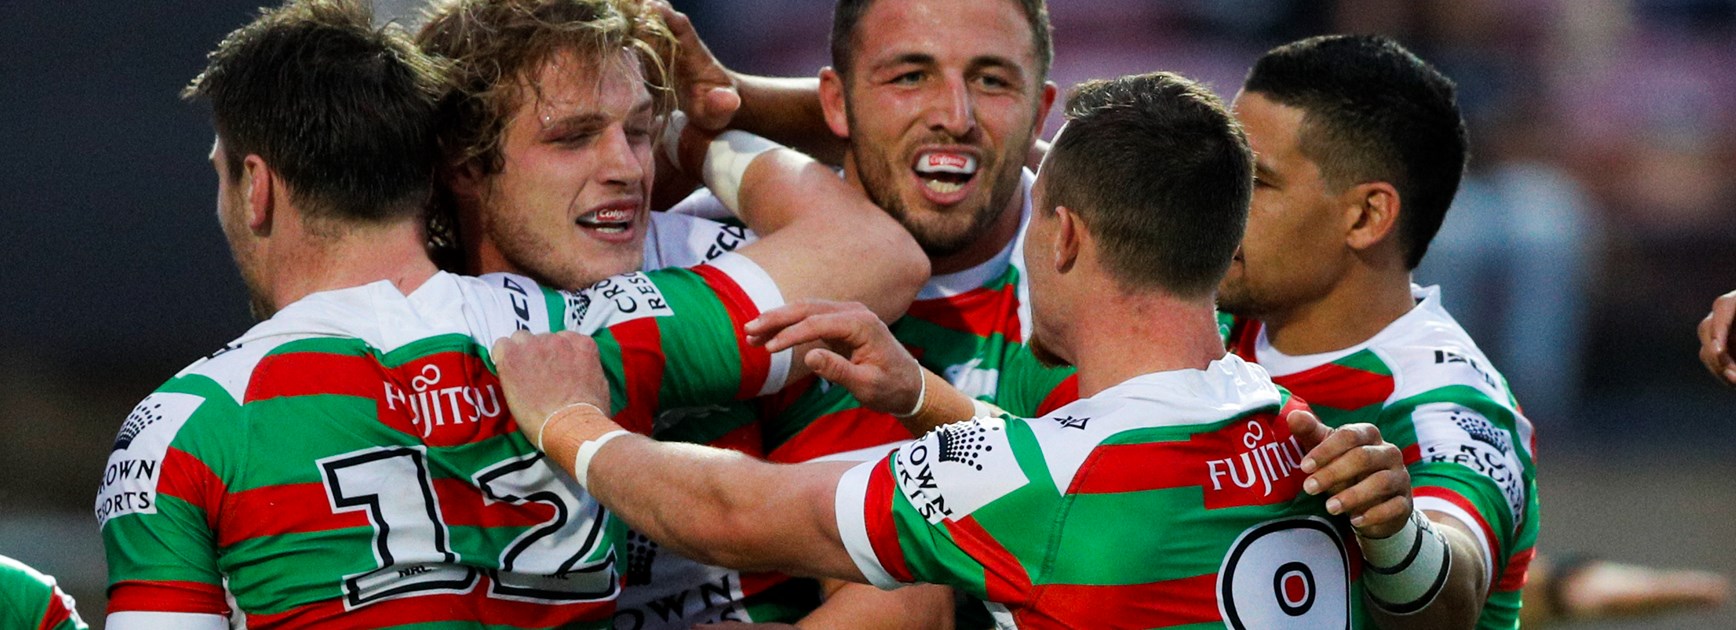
<point>952,109</point>
<point>618,159</point>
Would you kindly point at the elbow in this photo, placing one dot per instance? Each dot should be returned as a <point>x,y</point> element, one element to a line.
<point>901,266</point>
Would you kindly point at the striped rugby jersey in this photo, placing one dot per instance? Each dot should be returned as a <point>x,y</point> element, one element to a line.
<point>30,600</point>
<point>351,462</point>
<point>1170,500</point>
<point>1431,392</point>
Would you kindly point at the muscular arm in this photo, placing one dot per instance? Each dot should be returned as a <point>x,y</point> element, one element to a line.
<point>1461,599</point>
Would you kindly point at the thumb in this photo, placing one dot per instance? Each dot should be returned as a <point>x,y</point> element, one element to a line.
<point>719,105</point>
<point>1307,428</point>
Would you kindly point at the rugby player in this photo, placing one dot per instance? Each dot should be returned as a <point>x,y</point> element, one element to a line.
<point>349,460</point>
<point>539,89</point>
<point>1141,204</point>
<point>29,599</point>
<point>1359,148</point>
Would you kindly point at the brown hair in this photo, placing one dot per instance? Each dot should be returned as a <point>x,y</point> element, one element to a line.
<point>343,111</point>
<point>847,13</point>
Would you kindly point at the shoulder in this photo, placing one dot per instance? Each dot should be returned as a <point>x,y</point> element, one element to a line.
<point>956,469</point>
<point>680,240</point>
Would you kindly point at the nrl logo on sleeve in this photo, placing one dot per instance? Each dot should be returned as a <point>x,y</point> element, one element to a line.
<point>958,468</point>
<point>129,482</point>
<point>578,305</point>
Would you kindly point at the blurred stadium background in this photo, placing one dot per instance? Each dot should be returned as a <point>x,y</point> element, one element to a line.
<point>1596,226</point>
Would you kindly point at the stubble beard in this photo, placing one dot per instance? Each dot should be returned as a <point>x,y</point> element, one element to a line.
<point>940,234</point>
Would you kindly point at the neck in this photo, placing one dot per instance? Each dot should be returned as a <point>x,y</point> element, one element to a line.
<point>1356,309</point>
<point>1171,334</point>
<point>362,255</point>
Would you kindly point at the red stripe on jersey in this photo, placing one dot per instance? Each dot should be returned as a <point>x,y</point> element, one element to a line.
<point>882,530</point>
<point>642,364</point>
<point>443,399</point>
<point>167,596</point>
<point>1243,334</point>
<point>1469,508</point>
<point>1004,578</point>
<point>1065,393</point>
<point>1155,605</point>
<point>840,432</point>
<point>474,606</point>
<point>980,312</point>
<point>755,583</point>
<point>57,613</point>
<point>313,373</point>
<point>756,363</point>
<point>189,479</point>
<point>743,439</point>
<point>289,508</point>
<point>1518,569</point>
<point>463,505</point>
<point>1338,387</point>
<point>1412,454</point>
<point>1220,463</point>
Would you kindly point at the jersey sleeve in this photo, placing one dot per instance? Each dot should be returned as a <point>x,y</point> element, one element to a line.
<point>1029,389</point>
<point>1466,461</point>
<point>952,507</point>
<point>703,204</point>
<point>161,495</point>
<point>673,337</point>
<point>30,599</point>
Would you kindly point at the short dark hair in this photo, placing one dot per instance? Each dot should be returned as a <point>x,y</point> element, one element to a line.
<point>847,13</point>
<point>1160,174</point>
<point>1372,111</point>
<point>343,111</point>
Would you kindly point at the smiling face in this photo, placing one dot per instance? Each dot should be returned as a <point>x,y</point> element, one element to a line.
<point>568,205</point>
<point>1294,250</point>
<point>943,101</point>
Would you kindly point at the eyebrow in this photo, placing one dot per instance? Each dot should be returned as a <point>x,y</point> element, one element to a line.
<point>645,107</point>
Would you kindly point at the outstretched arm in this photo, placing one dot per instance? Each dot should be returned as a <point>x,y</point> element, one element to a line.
<point>715,506</point>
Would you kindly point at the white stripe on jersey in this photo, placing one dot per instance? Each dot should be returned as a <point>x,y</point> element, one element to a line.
<point>1437,504</point>
<point>766,296</point>
<point>136,620</point>
<point>851,502</point>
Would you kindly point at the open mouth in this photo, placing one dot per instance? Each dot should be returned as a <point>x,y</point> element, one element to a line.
<point>609,220</point>
<point>945,173</point>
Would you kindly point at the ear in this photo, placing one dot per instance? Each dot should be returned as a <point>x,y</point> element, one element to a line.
<point>261,183</point>
<point>466,180</point>
<point>1069,239</point>
<point>832,102</point>
<point>1045,102</point>
<point>1373,210</point>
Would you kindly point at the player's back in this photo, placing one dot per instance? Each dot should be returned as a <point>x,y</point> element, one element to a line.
<point>351,462</point>
<point>1168,500</point>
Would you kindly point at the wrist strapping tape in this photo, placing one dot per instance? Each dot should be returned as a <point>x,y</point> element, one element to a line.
<point>1406,570</point>
<point>726,162</point>
<point>588,450</point>
<point>921,394</point>
<point>558,413</point>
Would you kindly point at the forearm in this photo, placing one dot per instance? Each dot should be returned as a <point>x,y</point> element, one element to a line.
<point>1461,597</point>
<point>941,404</point>
<point>787,110</point>
<point>862,607</point>
<point>715,506</point>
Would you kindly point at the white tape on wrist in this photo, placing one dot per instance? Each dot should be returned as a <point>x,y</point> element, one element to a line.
<point>1407,570</point>
<point>726,162</point>
<point>921,394</point>
<point>671,140</point>
<point>588,450</point>
<point>551,420</point>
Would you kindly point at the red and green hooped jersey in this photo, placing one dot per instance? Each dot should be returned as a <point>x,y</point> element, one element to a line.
<point>30,600</point>
<point>1170,500</point>
<point>351,462</point>
<point>969,327</point>
<point>1436,396</point>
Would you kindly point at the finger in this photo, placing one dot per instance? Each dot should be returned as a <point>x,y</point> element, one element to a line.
<point>1368,491</point>
<point>770,322</point>
<point>1352,467</point>
<point>1309,430</point>
<point>1384,519</point>
<point>1341,441</point>
<point>845,329</point>
<point>717,108</point>
<point>837,369</point>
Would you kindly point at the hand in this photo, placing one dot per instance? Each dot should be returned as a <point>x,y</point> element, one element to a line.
<point>704,89</point>
<point>541,374</point>
<point>1715,333</point>
<point>1600,589</point>
<point>1363,475</point>
<point>860,353</point>
<point>737,625</point>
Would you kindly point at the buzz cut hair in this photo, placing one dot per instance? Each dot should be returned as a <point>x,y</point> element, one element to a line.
<point>846,14</point>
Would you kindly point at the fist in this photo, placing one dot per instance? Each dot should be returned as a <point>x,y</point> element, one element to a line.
<point>541,374</point>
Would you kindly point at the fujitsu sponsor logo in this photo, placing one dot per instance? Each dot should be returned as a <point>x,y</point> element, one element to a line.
<point>432,404</point>
<point>1270,461</point>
